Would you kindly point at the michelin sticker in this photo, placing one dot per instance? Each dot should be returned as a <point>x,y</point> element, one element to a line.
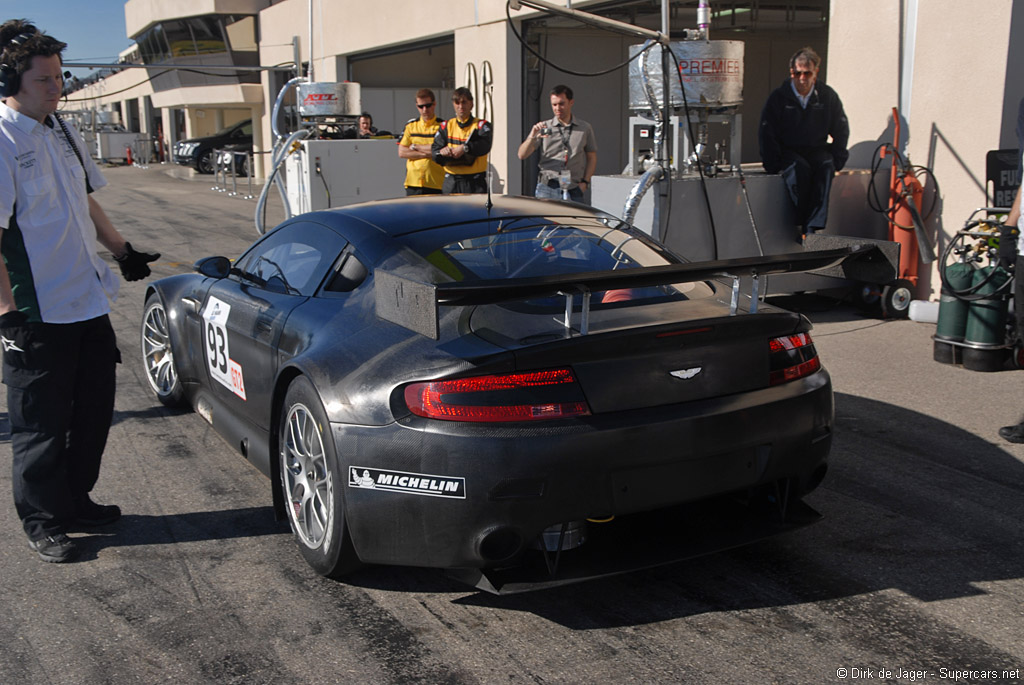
<point>409,483</point>
<point>224,370</point>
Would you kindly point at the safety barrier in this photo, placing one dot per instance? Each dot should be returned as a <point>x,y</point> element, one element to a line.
<point>142,150</point>
<point>225,167</point>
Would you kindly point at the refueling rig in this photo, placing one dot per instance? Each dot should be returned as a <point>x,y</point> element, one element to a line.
<point>321,168</point>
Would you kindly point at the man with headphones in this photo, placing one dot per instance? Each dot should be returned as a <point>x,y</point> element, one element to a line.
<point>59,349</point>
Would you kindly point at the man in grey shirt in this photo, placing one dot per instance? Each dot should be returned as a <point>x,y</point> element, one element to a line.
<point>568,150</point>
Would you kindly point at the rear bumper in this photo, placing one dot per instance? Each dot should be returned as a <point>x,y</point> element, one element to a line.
<point>461,495</point>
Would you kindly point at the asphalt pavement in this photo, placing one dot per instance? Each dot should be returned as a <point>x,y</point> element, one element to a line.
<point>915,574</point>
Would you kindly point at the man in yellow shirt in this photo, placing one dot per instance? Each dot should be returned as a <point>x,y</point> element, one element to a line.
<point>461,146</point>
<point>423,176</point>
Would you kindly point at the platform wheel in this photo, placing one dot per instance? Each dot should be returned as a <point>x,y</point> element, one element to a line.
<point>896,298</point>
<point>1017,356</point>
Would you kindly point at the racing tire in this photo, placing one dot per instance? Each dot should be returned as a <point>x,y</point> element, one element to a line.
<point>157,355</point>
<point>896,299</point>
<point>204,163</point>
<point>312,483</point>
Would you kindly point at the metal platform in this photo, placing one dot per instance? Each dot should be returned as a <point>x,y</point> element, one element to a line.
<point>689,229</point>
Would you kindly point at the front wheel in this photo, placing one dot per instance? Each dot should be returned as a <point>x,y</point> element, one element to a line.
<point>896,299</point>
<point>312,484</point>
<point>157,355</point>
<point>204,164</point>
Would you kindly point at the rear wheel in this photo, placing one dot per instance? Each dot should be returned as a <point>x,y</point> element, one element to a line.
<point>157,356</point>
<point>312,483</point>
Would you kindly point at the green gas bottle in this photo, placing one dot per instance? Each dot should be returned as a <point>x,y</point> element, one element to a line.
<point>985,333</point>
<point>952,321</point>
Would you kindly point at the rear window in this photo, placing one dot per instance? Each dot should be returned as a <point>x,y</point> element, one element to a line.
<point>534,246</point>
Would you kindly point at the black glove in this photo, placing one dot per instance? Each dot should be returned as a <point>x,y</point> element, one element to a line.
<point>15,317</point>
<point>135,265</point>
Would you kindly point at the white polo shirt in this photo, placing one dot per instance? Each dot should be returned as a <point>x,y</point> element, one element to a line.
<point>49,242</point>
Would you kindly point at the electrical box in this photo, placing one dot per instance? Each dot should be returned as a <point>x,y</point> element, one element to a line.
<point>334,173</point>
<point>723,130</point>
<point>112,144</point>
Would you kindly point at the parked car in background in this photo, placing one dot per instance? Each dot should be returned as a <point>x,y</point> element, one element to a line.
<point>198,152</point>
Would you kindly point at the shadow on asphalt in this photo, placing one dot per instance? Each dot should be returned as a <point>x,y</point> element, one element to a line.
<point>135,530</point>
<point>911,503</point>
<point>152,412</point>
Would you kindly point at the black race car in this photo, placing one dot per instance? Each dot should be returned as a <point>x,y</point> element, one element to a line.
<point>526,392</point>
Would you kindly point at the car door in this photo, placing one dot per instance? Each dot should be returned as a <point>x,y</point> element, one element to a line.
<point>244,315</point>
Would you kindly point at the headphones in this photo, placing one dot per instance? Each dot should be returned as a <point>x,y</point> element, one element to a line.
<point>10,79</point>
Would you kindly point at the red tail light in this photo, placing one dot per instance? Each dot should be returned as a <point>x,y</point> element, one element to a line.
<point>528,396</point>
<point>792,357</point>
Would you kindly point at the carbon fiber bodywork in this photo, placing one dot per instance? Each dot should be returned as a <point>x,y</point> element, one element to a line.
<point>453,494</point>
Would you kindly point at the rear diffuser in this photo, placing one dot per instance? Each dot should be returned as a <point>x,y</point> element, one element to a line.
<point>642,541</point>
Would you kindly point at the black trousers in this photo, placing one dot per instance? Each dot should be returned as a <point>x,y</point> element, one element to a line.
<point>808,174</point>
<point>465,183</point>
<point>1018,295</point>
<point>60,399</point>
<point>421,190</point>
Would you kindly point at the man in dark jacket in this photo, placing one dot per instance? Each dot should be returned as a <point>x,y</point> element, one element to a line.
<point>796,123</point>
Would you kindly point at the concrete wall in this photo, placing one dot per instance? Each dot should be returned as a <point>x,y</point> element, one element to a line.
<point>949,70</point>
<point>141,14</point>
<point>487,62</point>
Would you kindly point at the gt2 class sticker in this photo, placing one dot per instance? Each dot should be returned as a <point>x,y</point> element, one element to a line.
<point>409,483</point>
<point>223,368</point>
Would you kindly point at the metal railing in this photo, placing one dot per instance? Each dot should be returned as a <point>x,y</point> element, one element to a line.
<point>225,170</point>
<point>142,149</point>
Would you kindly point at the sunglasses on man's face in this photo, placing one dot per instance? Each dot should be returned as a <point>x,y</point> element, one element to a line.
<point>429,104</point>
<point>801,74</point>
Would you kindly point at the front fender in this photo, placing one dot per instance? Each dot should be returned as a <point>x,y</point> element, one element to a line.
<point>183,296</point>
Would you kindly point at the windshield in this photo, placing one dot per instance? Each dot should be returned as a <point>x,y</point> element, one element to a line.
<point>244,128</point>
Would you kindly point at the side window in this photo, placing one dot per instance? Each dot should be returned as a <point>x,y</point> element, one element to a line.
<point>347,276</point>
<point>293,258</point>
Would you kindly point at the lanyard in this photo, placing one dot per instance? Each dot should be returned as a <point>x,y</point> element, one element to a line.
<point>565,132</point>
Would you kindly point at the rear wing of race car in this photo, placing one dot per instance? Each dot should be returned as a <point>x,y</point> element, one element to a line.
<point>414,305</point>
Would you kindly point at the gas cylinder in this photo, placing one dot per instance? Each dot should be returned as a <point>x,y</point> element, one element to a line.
<point>901,227</point>
<point>952,321</point>
<point>128,155</point>
<point>985,333</point>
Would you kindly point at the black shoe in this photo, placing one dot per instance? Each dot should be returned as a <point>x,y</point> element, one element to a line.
<point>1012,433</point>
<point>91,514</point>
<point>56,548</point>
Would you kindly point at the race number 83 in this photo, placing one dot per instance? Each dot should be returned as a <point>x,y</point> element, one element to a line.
<point>223,369</point>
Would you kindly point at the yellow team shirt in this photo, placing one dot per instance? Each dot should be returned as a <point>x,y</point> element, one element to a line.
<point>460,136</point>
<point>422,173</point>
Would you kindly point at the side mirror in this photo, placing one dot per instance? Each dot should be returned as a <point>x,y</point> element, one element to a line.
<point>213,267</point>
